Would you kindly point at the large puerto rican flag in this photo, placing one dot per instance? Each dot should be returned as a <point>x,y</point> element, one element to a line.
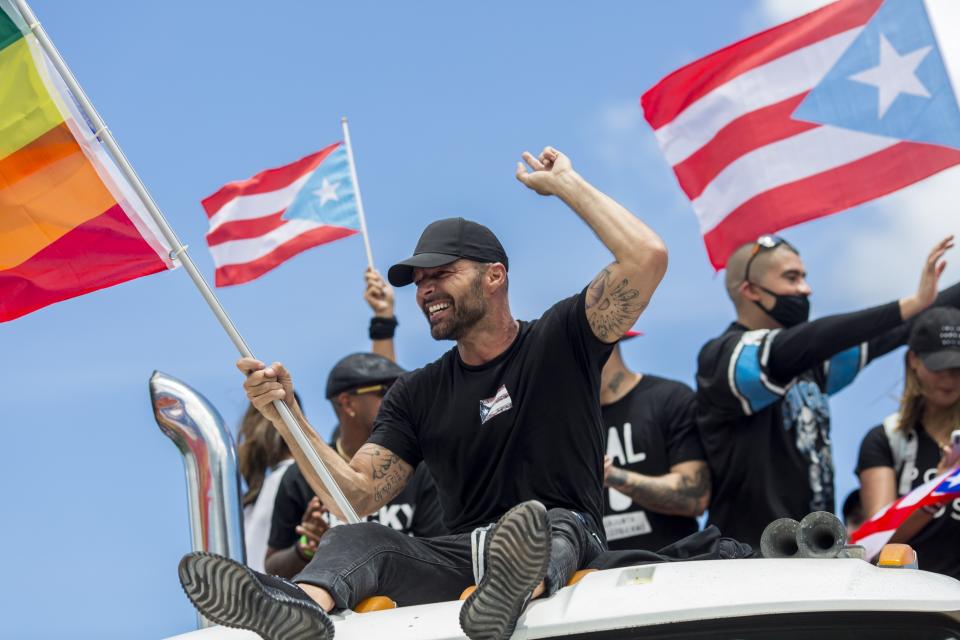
<point>835,108</point>
<point>878,530</point>
<point>258,223</point>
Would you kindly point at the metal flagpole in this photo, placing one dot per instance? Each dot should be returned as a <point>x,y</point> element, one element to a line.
<point>356,189</point>
<point>180,250</point>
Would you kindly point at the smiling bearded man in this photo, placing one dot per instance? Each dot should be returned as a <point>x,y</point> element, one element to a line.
<point>508,422</point>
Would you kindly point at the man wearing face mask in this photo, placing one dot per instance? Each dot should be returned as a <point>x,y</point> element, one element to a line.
<point>762,386</point>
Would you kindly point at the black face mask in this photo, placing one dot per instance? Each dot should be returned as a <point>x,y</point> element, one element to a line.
<point>788,310</point>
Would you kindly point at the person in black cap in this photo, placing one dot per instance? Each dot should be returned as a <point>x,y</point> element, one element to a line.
<point>914,445</point>
<point>355,387</point>
<point>763,385</point>
<point>508,422</point>
<point>655,470</point>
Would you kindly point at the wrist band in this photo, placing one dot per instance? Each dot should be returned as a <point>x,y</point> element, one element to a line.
<point>382,328</point>
<point>932,509</point>
<point>302,550</point>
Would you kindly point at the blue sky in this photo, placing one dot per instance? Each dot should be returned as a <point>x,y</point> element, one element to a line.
<point>442,98</point>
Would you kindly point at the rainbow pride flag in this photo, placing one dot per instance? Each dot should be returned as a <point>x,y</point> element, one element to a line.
<point>69,222</point>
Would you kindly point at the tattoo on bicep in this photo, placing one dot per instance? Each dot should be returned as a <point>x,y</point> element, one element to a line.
<point>612,305</point>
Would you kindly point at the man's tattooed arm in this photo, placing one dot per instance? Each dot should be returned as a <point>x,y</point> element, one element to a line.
<point>613,304</point>
<point>385,472</point>
<point>685,491</point>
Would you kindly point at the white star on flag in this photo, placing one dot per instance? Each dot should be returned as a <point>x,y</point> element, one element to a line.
<point>894,75</point>
<point>327,192</point>
<point>954,480</point>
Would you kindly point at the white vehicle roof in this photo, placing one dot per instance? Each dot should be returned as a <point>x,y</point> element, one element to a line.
<point>649,595</point>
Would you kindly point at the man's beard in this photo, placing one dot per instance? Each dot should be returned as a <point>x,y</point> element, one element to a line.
<point>466,314</point>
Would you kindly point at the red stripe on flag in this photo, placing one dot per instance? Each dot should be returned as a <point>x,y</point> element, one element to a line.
<point>102,252</point>
<point>825,193</point>
<point>244,229</point>
<point>232,274</point>
<point>683,87</point>
<point>743,135</point>
<point>265,181</point>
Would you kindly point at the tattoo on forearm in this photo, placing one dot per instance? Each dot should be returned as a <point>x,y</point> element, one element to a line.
<point>388,472</point>
<point>612,305</point>
<point>655,494</point>
<point>617,478</point>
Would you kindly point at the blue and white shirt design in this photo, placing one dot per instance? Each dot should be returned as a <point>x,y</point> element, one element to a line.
<point>805,410</point>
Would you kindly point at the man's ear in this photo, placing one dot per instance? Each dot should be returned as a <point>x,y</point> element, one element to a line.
<point>344,402</point>
<point>748,292</point>
<point>496,275</point>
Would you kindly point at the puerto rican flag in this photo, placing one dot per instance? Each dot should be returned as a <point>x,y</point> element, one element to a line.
<point>878,530</point>
<point>258,223</point>
<point>838,107</point>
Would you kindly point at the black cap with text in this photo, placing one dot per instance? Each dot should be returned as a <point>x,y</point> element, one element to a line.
<point>447,240</point>
<point>935,338</point>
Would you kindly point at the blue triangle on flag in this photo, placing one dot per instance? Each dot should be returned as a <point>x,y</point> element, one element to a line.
<point>891,81</point>
<point>328,195</point>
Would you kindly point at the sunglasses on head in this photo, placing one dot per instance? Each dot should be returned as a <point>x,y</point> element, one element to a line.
<point>765,243</point>
<point>379,390</point>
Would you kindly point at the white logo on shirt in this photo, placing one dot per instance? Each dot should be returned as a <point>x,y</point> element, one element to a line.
<point>622,455</point>
<point>496,405</point>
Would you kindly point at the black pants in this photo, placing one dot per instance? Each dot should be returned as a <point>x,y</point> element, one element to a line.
<point>356,561</point>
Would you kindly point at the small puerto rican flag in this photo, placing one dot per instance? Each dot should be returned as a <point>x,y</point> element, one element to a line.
<point>258,223</point>
<point>878,530</point>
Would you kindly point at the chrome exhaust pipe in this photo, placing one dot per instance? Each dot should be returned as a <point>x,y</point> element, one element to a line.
<point>210,462</point>
<point>779,539</point>
<point>821,535</point>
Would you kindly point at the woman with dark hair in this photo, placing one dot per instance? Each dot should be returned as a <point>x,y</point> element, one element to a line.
<point>914,445</point>
<point>263,456</point>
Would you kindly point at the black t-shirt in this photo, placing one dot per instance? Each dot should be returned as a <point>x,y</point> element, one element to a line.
<point>937,544</point>
<point>767,441</point>
<point>649,430</point>
<point>415,511</point>
<point>523,426</point>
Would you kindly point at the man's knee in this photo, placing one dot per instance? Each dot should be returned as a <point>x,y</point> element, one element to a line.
<point>563,517</point>
<point>355,537</point>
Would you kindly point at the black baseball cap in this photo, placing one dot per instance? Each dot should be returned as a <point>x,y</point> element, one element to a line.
<point>447,240</point>
<point>361,370</point>
<point>935,338</point>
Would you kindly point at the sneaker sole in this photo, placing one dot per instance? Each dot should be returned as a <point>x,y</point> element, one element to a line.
<point>228,593</point>
<point>517,557</point>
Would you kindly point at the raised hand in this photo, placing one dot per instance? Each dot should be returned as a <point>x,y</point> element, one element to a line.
<point>378,294</point>
<point>929,280</point>
<point>549,174</point>
<point>932,269</point>
<point>265,384</point>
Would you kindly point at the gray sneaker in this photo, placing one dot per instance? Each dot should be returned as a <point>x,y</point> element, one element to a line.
<point>232,594</point>
<point>515,557</point>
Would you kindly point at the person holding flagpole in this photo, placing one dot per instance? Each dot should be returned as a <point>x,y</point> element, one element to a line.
<point>523,516</point>
<point>763,384</point>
